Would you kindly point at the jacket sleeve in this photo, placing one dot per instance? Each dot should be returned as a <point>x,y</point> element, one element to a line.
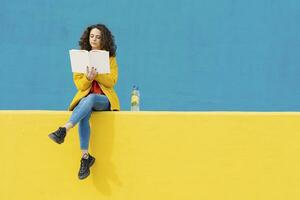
<point>81,81</point>
<point>109,80</point>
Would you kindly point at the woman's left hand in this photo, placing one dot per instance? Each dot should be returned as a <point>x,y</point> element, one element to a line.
<point>91,74</point>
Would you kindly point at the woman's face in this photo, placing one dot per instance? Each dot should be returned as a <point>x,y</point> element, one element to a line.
<point>95,38</point>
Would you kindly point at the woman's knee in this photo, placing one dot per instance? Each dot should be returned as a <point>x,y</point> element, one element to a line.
<point>90,98</point>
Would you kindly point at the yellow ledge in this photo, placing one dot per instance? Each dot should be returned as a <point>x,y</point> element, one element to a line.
<point>153,156</point>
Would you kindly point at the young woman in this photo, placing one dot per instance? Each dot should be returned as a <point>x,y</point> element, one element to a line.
<point>95,93</point>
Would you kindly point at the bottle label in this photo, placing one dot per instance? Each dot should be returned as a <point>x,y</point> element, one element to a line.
<point>135,100</point>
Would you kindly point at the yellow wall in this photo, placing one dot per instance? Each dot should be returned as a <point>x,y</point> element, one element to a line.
<point>153,155</point>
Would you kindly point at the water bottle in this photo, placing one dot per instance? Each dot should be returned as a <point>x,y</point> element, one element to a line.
<point>135,99</point>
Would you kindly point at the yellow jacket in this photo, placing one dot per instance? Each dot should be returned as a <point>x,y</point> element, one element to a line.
<point>106,82</point>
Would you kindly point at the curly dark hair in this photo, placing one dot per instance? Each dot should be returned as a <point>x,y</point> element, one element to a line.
<point>107,39</point>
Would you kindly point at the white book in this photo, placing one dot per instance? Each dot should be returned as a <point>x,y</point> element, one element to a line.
<point>80,59</point>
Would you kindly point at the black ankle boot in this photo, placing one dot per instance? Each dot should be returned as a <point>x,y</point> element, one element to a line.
<point>59,135</point>
<point>85,165</point>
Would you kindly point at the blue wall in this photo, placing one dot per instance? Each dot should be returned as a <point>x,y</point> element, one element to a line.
<point>184,54</point>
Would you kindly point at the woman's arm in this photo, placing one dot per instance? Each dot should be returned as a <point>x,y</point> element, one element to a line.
<point>81,81</point>
<point>109,80</point>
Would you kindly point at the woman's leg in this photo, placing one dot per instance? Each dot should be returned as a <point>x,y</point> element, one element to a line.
<point>85,107</point>
<point>82,109</point>
<point>82,113</point>
<point>100,103</point>
<point>84,133</point>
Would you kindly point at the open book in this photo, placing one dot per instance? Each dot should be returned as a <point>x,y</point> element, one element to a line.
<point>80,59</point>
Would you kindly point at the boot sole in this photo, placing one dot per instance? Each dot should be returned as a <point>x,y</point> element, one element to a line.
<point>85,176</point>
<point>54,138</point>
<point>92,162</point>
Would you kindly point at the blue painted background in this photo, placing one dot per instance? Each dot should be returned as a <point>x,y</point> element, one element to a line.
<point>183,54</point>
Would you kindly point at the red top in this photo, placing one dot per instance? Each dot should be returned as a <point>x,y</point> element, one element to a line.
<point>96,88</point>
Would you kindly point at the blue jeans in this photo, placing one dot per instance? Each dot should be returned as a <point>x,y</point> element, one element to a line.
<point>82,113</point>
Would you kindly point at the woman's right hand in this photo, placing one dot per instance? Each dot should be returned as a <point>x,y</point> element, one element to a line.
<point>91,74</point>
